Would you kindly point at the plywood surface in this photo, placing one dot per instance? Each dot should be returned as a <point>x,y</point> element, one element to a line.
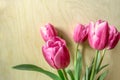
<point>20,41</point>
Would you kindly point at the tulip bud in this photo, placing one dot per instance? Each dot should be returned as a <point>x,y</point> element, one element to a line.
<point>80,33</point>
<point>56,53</point>
<point>48,32</point>
<point>113,37</point>
<point>98,34</point>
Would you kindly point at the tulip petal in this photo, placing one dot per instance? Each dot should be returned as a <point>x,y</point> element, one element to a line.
<point>48,56</point>
<point>55,53</point>
<point>51,29</point>
<point>80,33</point>
<point>113,37</point>
<point>98,34</point>
<point>48,31</point>
<point>62,58</point>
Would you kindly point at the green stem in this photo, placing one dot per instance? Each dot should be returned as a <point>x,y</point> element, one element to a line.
<point>65,74</point>
<point>60,72</point>
<point>75,58</point>
<point>102,58</point>
<point>94,66</point>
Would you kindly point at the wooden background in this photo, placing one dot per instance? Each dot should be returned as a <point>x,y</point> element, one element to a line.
<point>20,41</point>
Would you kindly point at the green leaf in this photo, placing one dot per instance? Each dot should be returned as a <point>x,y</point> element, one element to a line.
<point>98,61</point>
<point>61,74</point>
<point>93,72</point>
<point>83,78</point>
<point>90,69</point>
<point>78,66</point>
<point>86,74</point>
<point>30,67</point>
<point>102,67</point>
<point>103,75</point>
<point>71,74</point>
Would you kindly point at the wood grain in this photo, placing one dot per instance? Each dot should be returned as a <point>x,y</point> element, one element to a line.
<point>20,41</point>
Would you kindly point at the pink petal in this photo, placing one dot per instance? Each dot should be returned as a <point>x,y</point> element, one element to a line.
<point>48,56</point>
<point>62,58</point>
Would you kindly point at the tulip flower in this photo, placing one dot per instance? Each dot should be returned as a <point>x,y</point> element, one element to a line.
<point>98,34</point>
<point>113,37</point>
<point>80,33</point>
<point>56,53</point>
<point>48,32</point>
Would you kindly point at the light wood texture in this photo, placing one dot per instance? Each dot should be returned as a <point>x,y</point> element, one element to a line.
<point>20,41</point>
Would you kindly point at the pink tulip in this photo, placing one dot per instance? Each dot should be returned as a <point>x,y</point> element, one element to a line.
<point>56,53</point>
<point>48,31</point>
<point>98,34</point>
<point>113,37</point>
<point>80,33</point>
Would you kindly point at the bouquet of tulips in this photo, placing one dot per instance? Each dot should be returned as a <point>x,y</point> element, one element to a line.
<point>101,37</point>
